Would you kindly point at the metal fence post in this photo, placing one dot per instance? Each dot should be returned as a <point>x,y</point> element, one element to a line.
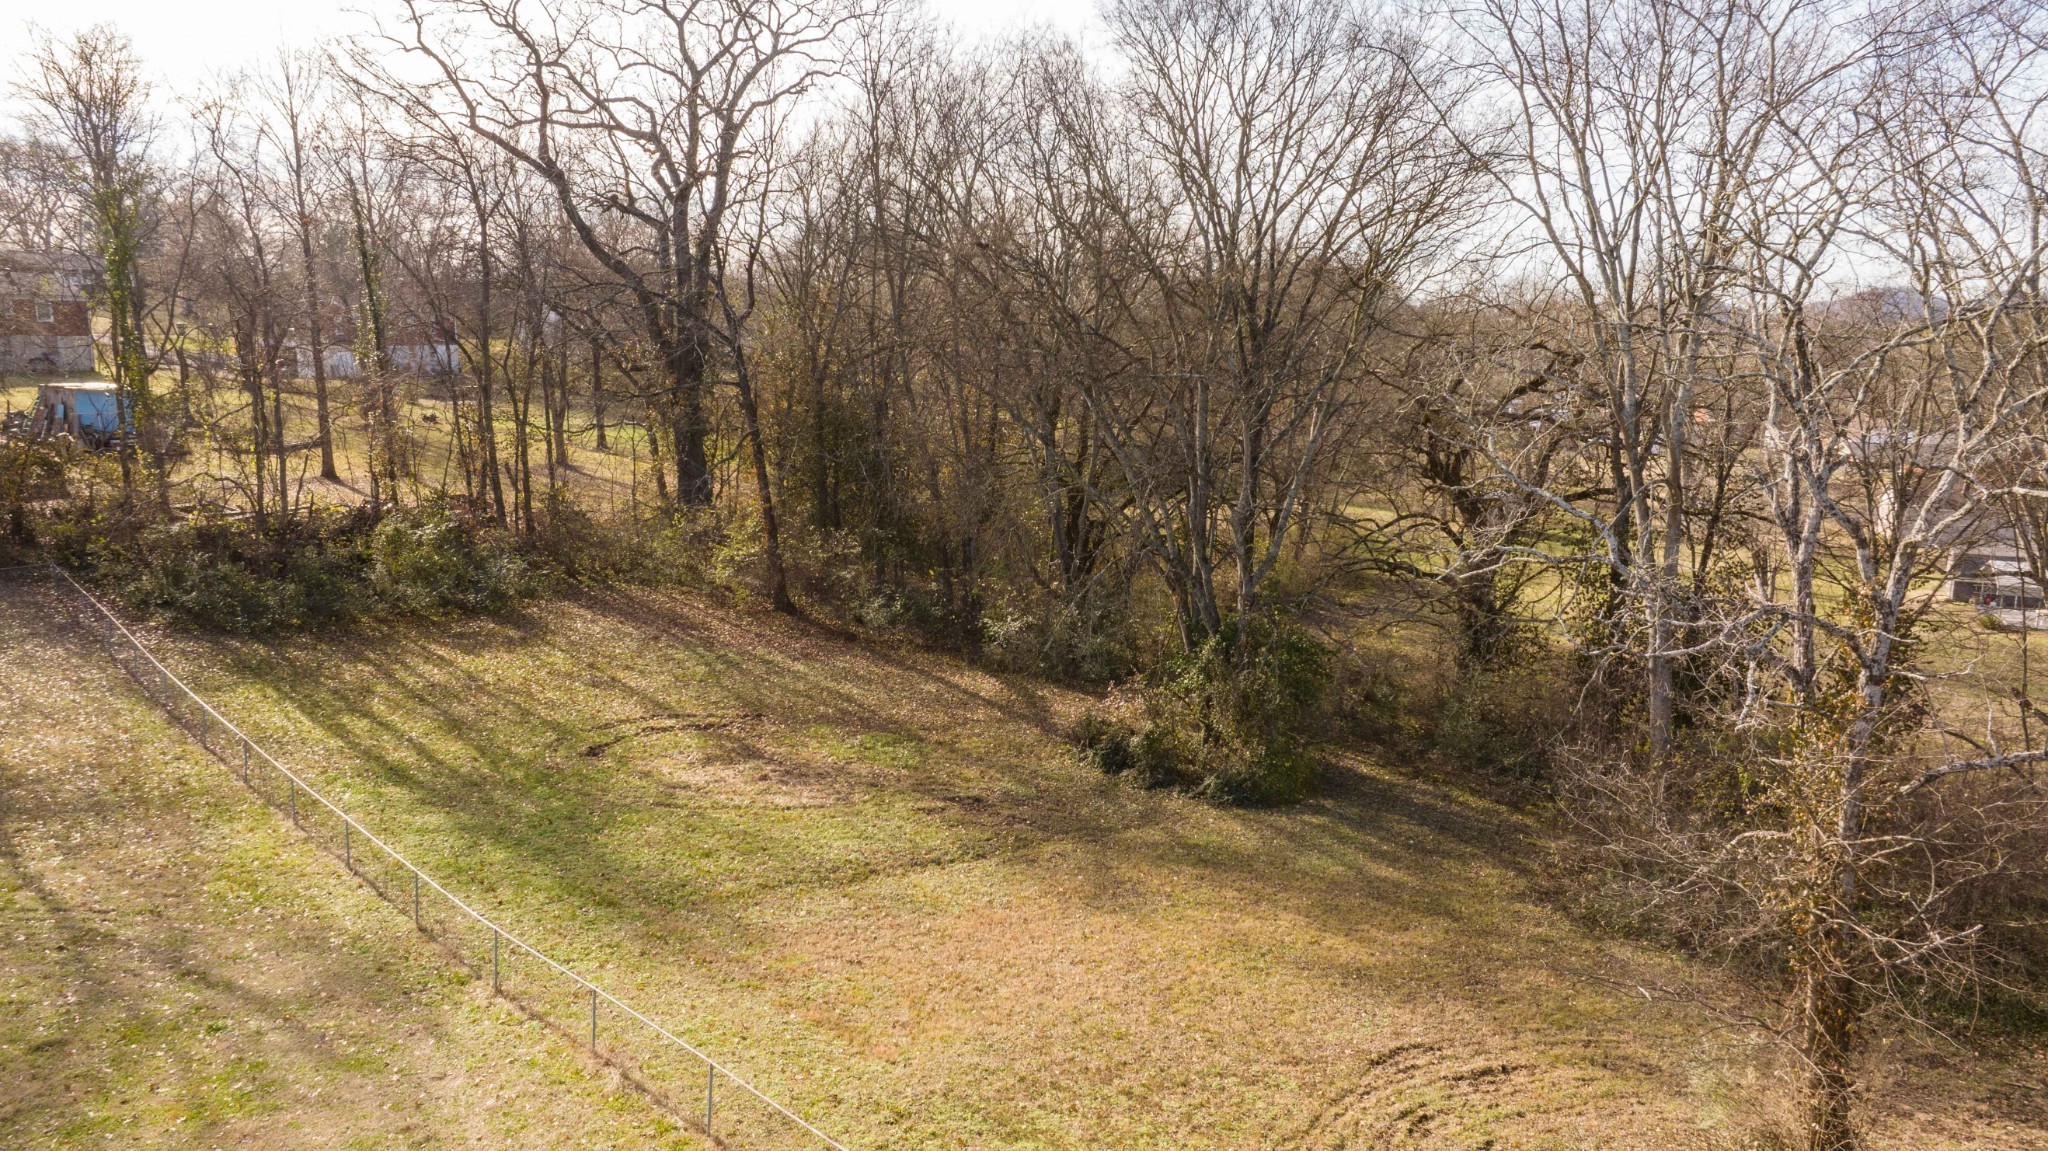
<point>295,799</point>
<point>593,1021</point>
<point>348,845</point>
<point>710,1085</point>
<point>495,933</point>
<point>416,900</point>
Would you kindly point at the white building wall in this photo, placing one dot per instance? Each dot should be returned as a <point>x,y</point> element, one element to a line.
<point>341,362</point>
<point>64,354</point>
<point>425,359</point>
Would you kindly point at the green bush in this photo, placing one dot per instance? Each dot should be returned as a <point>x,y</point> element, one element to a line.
<point>1105,742</point>
<point>1061,641</point>
<point>431,562</point>
<point>1235,720</point>
<point>1113,755</point>
<point>1149,752</point>
<point>1159,757</point>
<point>1502,723</point>
<point>29,472</point>
<point>219,573</point>
<point>223,594</point>
<point>1248,705</point>
<point>331,583</point>
<point>329,568</point>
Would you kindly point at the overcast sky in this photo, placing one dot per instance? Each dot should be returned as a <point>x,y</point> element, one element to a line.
<point>184,41</point>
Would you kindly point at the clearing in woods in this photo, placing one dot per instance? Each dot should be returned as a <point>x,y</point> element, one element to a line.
<point>876,881</point>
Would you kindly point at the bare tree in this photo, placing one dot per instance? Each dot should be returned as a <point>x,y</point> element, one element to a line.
<point>34,214</point>
<point>647,117</point>
<point>1290,171</point>
<point>293,122</point>
<point>88,96</point>
<point>1704,183</point>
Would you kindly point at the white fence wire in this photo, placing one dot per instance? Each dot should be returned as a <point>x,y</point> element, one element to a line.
<point>648,1055</point>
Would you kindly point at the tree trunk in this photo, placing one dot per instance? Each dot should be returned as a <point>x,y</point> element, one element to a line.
<point>1830,1010</point>
<point>558,359</point>
<point>597,392</point>
<point>252,383</point>
<point>654,460</point>
<point>771,531</point>
<point>686,427</point>
<point>522,429</point>
<point>284,492</point>
<point>380,348</point>
<point>316,342</point>
<point>824,508</point>
<point>549,429</point>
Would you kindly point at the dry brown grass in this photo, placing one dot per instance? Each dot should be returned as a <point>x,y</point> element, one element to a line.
<point>879,882</point>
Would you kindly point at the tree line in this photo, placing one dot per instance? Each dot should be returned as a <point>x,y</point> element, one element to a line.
<point>1654,363</point>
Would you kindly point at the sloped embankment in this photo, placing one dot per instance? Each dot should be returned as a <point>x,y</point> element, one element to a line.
<point>881,886</point>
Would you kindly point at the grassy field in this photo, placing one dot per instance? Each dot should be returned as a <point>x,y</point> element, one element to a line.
<point>178,970</point>
<point>874,881</point>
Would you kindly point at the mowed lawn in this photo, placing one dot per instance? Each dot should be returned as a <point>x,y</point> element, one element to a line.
<point>178,970</point>
<point>876,882</point>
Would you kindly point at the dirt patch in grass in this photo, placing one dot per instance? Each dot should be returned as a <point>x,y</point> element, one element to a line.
<point>749,782</point>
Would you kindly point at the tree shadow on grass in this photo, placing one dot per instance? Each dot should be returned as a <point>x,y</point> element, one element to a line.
<point>475,726</point>
<point>131,821</point>
<point>509,785</point>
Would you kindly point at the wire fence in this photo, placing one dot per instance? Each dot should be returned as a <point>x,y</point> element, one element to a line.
<point>666,1067</point>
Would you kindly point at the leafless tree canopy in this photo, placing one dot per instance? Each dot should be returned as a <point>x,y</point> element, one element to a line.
<point>1677,373</point>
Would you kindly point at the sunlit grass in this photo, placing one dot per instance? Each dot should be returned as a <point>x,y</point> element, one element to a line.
<point>881,883</point>
<point>178,970</point>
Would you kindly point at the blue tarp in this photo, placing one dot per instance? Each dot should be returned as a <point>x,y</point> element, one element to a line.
<point>96,411</point>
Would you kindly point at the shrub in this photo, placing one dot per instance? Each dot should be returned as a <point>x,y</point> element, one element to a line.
<point>1234,720</point>
<point>429,561</point>
<point>1159,757</point>
<point>217,572</point>
<point>1112,756</point>
<point>914,609</point>
<point>331,583</point>
<point>1148,751</point>
<point>223,594</point>
<point>1098,727</point>
<point>1061,641</point>
<point>29,472</point>
<point>1502,723</point>
<point>581,546</point>
<point>1105,741</point>
<point>1248,705</point>
<point>738,564</point>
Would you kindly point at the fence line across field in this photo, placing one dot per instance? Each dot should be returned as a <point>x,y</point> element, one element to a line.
<point>166,688</point>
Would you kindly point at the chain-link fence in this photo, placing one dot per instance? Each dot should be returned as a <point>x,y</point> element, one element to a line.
<point>679,1076</point>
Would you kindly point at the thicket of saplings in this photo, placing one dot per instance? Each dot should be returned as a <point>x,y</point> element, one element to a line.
<point>1304,372</point>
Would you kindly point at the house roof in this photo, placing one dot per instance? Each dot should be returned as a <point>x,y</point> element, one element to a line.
<point>17,259</point>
